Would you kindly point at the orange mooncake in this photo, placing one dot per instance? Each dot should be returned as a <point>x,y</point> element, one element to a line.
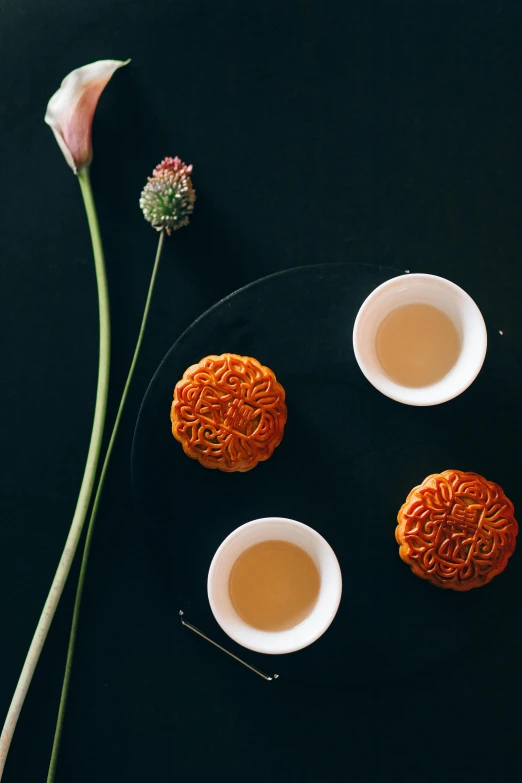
<point>457,530</point>
<point>228,412</point>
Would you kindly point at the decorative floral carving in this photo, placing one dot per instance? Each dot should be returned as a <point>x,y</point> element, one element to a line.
<point>229,412</point>
<point>457,530</point>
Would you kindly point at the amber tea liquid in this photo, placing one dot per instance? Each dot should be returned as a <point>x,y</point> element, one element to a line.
<point>417,345</point>
<point>274,585</point>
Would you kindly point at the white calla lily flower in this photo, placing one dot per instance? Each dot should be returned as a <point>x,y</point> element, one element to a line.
<point>71,109</point>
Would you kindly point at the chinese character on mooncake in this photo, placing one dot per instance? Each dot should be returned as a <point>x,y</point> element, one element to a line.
<point>456,530</point>
<point>228,412</point>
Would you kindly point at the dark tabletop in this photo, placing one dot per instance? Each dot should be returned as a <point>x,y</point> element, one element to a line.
<point>383,133</point>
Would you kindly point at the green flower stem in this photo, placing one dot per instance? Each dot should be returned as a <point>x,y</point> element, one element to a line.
<point>90,530</point>
<point>84,498</point>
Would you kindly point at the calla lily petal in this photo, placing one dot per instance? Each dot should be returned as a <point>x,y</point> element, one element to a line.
<point>71,109</point>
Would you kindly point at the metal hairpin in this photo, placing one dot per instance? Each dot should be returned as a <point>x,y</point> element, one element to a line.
<point>252,668</point>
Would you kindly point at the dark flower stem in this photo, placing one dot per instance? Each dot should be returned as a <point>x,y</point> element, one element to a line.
<point>90,530</point>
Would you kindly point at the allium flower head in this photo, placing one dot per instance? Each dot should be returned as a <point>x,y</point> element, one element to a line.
<point>167,200</point>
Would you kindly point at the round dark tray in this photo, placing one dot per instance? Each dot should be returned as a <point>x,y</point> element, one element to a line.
<point>347,461</point>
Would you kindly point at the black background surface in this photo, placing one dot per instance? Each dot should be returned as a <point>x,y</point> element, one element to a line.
<point>376,132</point>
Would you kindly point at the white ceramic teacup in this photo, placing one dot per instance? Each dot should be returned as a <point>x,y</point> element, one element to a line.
<point>322,613</point>
<point>447,297</point>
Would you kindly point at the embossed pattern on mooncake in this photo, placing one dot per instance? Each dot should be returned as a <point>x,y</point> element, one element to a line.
<point>456,530</point>
<point>228,412</point>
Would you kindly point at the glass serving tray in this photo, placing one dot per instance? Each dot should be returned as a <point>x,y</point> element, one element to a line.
<point>348,459</point>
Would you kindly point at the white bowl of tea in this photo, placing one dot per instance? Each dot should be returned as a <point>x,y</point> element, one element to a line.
<point>420,339</point>
<point>274,585</point>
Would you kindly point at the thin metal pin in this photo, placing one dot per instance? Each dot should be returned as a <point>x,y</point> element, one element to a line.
<point>199,633</point>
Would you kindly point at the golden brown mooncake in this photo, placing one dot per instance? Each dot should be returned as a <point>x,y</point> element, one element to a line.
<point>457,530</point>
<point>228,412</point>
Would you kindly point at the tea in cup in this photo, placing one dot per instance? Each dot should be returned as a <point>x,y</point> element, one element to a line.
<point>420,339</point>
<point>274,585</point>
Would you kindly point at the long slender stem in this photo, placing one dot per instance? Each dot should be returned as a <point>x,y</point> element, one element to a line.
<point>90,530</point>
<point>84,498</point>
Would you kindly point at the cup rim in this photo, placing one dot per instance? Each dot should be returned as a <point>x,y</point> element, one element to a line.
<point>419,396</point>
<point>322,622</point>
